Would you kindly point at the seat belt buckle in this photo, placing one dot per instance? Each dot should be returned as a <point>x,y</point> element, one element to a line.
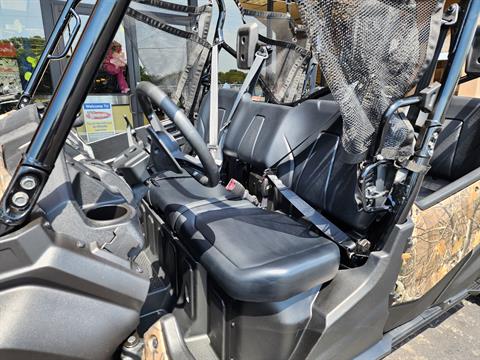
<point>236,188</point>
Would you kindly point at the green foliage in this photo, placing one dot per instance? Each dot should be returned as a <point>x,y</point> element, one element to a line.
<point>29,50</point>
<point>232,76</point>
<point>144,76</point>
<point>28,47</point>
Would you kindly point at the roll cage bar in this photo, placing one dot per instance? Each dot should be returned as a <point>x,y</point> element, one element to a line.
<point>92,46</point>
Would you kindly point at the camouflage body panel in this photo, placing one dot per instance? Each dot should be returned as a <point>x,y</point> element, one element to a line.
<point>444,234</point>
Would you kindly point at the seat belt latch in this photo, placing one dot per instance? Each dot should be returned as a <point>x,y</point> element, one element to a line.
<point>236,188</point>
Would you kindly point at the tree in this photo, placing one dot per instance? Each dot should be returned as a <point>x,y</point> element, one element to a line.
<point>232,76</point>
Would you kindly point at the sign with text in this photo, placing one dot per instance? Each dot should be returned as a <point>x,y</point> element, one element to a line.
<point>98,120</point>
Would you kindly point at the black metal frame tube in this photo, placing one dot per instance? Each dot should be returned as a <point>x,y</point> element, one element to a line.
<point>427,138</point>
<point>64,106</point>
<point>47,52</point>
<point>75,82</point>
<point>456,62</point>
<point>426,79</point>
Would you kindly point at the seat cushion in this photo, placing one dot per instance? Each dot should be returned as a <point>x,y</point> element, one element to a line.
<point>253,255</point>
<point>257,255</point>
<point>169,195</point>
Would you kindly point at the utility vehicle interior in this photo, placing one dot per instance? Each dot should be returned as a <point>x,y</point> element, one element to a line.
<point>330,217</point>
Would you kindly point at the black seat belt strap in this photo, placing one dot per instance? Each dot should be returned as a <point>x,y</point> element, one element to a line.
<point>260,56</point>
<point>313,216</point>
<point>248,83</point>
<point>213,128</point>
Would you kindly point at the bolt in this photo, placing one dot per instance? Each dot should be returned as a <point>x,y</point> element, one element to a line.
<point>232,324</point>
<point>154,342</point>
<point>20,199</point>
<point>131,341</point>
<point>28,182</point>
<point>80,244</point>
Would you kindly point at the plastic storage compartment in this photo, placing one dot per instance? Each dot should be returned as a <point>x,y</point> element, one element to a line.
<point>108,214</point>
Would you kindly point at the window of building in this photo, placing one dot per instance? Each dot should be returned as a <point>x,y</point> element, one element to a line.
<point>22,40</point>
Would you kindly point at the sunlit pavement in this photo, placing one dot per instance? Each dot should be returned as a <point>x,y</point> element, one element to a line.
<point>455,335</point>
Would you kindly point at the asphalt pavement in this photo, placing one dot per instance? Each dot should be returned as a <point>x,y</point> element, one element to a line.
<point>453,336</point>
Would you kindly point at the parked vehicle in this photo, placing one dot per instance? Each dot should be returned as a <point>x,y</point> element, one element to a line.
<point>321,220</point>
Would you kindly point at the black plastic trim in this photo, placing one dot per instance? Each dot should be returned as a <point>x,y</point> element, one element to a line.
<point>449,190</point>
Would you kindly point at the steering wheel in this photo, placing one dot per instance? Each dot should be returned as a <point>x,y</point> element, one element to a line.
<point>149,94</point>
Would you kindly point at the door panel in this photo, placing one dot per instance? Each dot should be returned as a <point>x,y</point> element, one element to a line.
<point>444,234</point>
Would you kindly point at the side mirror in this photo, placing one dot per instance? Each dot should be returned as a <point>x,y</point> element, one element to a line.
<point>472,66</point>
<point>247,39</point>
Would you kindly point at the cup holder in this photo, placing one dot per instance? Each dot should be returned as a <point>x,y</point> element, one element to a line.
<point>107,213</point>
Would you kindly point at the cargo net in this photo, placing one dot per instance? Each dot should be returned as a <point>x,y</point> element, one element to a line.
<point>285,73</point>
<point>372,52</point>
<point>172,46</point>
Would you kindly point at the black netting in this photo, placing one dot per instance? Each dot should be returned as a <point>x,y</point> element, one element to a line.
<point>172,46</point>
<point>372,52</point>
<point>285,70</point>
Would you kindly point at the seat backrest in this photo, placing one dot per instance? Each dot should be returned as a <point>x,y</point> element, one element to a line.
<point>226,98</point>
<point>261,134</point>
<point>306,138</point>
<point>323,179</point>
<point>457,149</point>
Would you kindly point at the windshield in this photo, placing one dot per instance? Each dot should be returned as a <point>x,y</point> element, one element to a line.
<point>172,47</point>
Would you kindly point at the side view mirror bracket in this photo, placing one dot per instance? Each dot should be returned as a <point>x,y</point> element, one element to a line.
<point>247,40</point>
